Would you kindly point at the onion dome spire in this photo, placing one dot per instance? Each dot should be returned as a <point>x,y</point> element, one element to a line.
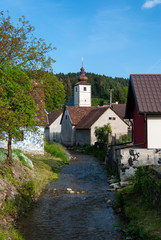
<point>82,77</point>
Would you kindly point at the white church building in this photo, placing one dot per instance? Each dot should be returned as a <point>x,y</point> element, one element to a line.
<point>78,122</point>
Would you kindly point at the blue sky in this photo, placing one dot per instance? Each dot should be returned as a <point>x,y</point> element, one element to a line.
<point>115,37</point>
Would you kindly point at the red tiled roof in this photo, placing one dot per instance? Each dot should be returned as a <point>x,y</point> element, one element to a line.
<point>53,116</point>
<point>145,91</point>
<point>119,109</point>
<point>77,113</point>
<point>88,120</point>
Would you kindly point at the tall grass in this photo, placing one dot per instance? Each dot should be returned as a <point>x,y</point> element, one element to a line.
<point>56,150</point>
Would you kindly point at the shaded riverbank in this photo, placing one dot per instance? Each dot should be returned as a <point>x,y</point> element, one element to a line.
<point>81,214</point>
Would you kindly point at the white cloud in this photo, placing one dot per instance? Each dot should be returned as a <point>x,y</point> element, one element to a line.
<point>151,4</point>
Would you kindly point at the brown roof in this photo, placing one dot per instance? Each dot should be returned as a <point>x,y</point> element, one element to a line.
<point>88,120</point>
<point>53,116</point>
<point>145,91</point>
<point>77,113</point>
<point>119,109</point>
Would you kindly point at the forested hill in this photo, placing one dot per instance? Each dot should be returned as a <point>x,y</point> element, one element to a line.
<point>100,87</point>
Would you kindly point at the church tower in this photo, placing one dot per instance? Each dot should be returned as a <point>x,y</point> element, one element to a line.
<point>82,91</point>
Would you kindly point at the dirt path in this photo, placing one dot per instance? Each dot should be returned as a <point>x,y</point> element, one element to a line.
<point>82,215</point>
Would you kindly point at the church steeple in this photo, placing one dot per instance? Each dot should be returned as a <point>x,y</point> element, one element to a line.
<point>82,77</point>
<point>82,90</point>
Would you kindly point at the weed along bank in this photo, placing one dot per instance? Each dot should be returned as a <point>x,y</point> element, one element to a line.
<point>144,108</point>
<point>22,182</point>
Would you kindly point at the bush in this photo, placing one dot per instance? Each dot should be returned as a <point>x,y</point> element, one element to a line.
<point>102,133</point>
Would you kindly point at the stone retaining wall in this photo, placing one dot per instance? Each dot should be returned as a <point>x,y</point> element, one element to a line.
<point>127,160</point>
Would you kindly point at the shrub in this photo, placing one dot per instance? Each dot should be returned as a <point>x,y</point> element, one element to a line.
<point>102,133</point>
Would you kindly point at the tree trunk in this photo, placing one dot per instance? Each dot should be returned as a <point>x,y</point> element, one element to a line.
<point>9,147</point>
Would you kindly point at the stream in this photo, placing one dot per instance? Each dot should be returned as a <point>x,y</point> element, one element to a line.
<point>75,206</point>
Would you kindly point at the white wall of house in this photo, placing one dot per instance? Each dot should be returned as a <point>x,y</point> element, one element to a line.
<point>67,130</point>
<point>82,95</point>
<point>55,130</point>
<point>154,131</point>
<point>33,142</point>
<point>83,137</point>
<point>119,127</point>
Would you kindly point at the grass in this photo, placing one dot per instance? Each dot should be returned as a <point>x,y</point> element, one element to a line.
<point>56,150</point>
<point>142,221</point>
<point>29,183</point>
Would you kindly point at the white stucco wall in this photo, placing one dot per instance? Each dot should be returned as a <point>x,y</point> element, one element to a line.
<point>82,97</point>
<point>119,127</point>
<point>55,130</point>
<point>154,131</point>
<point>67,130</point>
<point>33,142</point>
<point>83,137</point>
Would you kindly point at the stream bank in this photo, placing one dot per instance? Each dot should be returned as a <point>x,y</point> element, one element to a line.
<point>21,187</point>
<point>77,206</point>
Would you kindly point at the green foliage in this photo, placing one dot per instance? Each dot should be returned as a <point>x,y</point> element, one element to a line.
<point>124,139</point>
<point>102,133</point>
<point>17,155</point>
<point>11,234</point>
<point>19,46</point>
<point>17,106</point>
<point>23,158</point>
<point>140,204</point>
<point>100,87</point>
<point>56,150</point>
<point>53,89</point>
<point>96,152</point>
<point>148,186</point>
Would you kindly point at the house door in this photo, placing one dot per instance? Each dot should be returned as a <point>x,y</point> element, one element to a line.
<point>154,131</point>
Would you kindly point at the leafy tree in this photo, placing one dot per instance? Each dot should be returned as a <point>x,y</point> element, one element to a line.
<point>102,133</point>
<point>17,105</point>
<point>53,89</point>
<point>19,46</point>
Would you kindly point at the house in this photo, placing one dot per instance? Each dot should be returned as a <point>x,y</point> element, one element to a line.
<point>53,127</point>
<point>79,121</point>
<point>32,141</point>
<point>144,107</point>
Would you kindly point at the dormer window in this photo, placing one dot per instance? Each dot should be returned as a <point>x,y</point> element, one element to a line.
<point>85,89</point>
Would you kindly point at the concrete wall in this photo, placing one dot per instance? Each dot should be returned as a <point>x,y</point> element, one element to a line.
<point>33,142</point>
<point>83,137</point>
<point>118,125</point>
<point>127,160</point>
<point>67,130</point>
<point>55,130</point>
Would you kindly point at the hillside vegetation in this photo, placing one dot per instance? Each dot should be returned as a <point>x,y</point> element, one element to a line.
<point>100,87</point>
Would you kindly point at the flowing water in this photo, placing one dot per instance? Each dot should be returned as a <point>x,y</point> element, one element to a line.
<point>81,214</point>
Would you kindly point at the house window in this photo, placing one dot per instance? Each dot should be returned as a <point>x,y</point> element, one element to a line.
<point>85,89</point>
<point>66,116</point>
<point>20,138</point>
<point>112,118</point>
